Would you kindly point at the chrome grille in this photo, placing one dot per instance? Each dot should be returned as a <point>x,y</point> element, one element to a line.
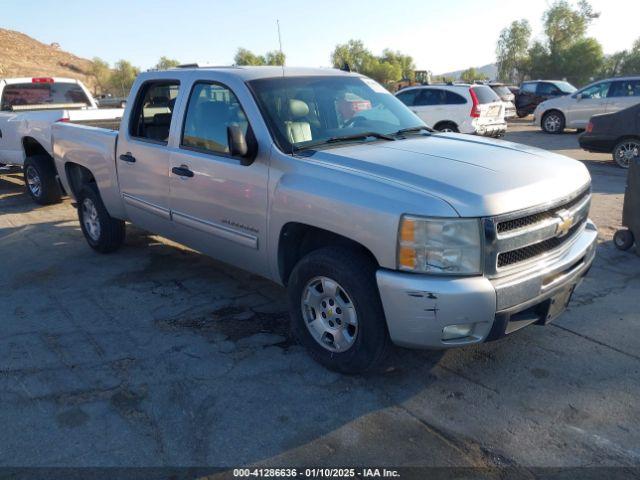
<point>515,240</point>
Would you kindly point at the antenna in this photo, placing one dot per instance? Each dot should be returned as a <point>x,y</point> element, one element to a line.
<point>280,43</point>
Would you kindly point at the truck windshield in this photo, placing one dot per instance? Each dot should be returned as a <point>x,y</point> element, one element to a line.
<point>311,111</point>
<point>25,94</point>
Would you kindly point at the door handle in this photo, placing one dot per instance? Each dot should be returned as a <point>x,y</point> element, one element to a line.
<point>127,157</point>
<point>182,171</point>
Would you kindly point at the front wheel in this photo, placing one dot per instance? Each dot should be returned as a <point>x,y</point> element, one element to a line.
<point>447,127</point>
<point>625,151</point>
<point>553,122</point>
<point>336,312</point>
<point>103,233</point>
<point>40,179</point>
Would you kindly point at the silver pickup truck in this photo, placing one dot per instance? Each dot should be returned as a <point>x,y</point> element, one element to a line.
<point>382,231</point>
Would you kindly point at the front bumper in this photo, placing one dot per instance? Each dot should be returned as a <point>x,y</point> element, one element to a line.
<point>419,307</point>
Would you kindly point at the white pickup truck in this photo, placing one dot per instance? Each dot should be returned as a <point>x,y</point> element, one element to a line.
<point>28,108</point>
<point>382,230</point>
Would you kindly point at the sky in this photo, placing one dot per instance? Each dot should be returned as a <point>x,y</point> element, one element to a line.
<point>441,36</point>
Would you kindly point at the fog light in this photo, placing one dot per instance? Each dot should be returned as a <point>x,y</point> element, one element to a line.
<point>453,332</point>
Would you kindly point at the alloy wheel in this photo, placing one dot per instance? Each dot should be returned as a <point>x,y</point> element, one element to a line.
<point>34,183</point>
<point>329,314</point>
<point>552,122</point>
<point>90,219</point>
<point>625,152</point>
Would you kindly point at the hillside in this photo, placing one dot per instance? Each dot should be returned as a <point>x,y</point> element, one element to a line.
<point>490,70</point>
<point>23,56</point>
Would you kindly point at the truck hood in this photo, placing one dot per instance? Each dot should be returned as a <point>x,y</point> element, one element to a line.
<point>476,176</point>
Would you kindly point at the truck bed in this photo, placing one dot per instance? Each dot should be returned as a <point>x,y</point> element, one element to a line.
<point>106,123</point>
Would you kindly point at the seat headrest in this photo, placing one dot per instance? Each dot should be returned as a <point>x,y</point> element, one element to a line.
<point>298,108</point>
<point>163,119</point>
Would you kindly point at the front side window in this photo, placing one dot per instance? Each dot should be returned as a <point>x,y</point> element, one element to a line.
<point>212,108</point>
<point>151,118</point>
<point>625,88</point>
<point>315,110</point>
<point>45,93</point>
<point>597,91</point>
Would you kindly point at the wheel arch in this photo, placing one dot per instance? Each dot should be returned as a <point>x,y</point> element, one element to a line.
<point>299,239</point>
<point>77,176</point>
<point>446,122</point>
<point>32,147</point>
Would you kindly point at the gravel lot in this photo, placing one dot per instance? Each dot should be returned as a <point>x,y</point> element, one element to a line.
<point>157,355</point>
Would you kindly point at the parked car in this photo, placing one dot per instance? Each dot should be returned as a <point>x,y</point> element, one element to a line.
<point>507,96</point>
<point>457,108</point>
<point>575,110</point>
<point>617,133</point>
<point>322,181</point>
<point>533,93</point>
<point>109,101</point>
<point>28,108</point>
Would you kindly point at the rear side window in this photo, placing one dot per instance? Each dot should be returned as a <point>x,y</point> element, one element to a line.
<point>625,88</point>
<point>545,88</point>
<point>501,90</point>
<point>212,108</point>
<point>431,96</point>
<point>151,117</point>
<point>455,99</point>
<point>485,94</point>
<point>528,87</point>
<point>42,93</point>
<point>408,97</point>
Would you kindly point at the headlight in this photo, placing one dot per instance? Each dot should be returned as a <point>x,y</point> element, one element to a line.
<point>448,246</point>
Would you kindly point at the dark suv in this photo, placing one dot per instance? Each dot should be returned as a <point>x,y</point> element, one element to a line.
<point>534,92</point>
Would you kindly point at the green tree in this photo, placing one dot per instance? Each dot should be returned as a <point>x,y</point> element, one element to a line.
<point>275,57</point>
<point>471,75</point>
<point>626,62</point>
<point>247,57</point>
<point>123,76</point>
<point>390,67</point>
<point>563,24</point>
<point>101,72</point>
<point>511,51</point>
<point>166,63</point>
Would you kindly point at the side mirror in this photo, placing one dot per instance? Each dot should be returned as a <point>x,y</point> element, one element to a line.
<point>239,146</point>
<point>578,96</point>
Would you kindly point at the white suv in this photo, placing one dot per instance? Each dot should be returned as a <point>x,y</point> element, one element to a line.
<point>457,108</point>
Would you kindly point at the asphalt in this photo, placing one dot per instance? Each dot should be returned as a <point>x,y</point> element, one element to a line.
<point>157,355</point>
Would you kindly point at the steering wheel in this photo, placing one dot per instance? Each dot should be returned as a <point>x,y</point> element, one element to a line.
<point>355,121</point>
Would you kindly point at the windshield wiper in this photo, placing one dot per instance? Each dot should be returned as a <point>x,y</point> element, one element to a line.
<point>413,129</point>
<point>347,138</point>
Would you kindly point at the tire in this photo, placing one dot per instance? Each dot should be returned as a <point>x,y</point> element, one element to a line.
<point>553,122</point>
<point>447,127</point>
<point>625,150</point>
<point>123,104</point>
<point>521,113</point>
<point>623,239</point>
<point>354,314</point>
<point>103,233</point>
<point>40,180</point>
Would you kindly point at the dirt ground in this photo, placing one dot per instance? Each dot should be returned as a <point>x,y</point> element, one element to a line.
<point>157,355</point>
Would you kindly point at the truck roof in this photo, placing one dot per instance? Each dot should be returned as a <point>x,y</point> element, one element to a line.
<point>256,72</point>
<point>10,81</point>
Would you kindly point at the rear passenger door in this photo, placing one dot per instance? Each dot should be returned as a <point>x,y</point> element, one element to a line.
<point>143,155</point>
<point>623,94</point>
<point>428,105</point>
<point>218,206</point>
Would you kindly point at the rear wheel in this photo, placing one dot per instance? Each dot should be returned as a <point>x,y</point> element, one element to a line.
<point>103,233</point>
<point>336,312</point>
<point>447,127</point>
<point>625,151</point>
<point>553,122</point>
<point>623,239</point>
<point>521,113</point>
<point>40,179</point>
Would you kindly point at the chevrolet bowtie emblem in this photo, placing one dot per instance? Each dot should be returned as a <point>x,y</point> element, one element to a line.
<point>565,224</point>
